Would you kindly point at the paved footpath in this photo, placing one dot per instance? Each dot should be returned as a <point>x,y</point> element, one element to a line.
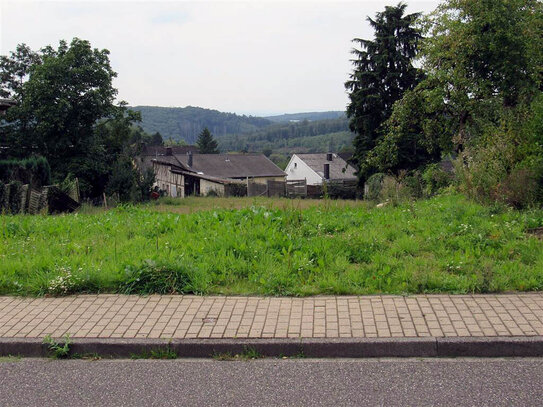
<point>182,317</point>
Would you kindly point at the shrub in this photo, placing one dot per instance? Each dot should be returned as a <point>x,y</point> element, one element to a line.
<point>493,174</point>
<point>341,190</point>
<point>33,170</point>
<point>145,183</point>
<point>373,186</point>
<point>414,184</point>
<point>123,180</point>
<point>212,193</point>
<point>394,191</point>
<point>158,278</point>
<point>520,189</point>
<point>505,164</point>
<point>435,179</point>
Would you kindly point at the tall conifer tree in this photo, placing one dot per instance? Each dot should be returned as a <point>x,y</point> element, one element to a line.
<point>206,143</point>
<point>383,71</point>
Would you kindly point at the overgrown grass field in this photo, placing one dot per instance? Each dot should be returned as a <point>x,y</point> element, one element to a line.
<point>445,244</point>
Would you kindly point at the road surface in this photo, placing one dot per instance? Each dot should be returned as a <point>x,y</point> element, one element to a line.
<point>299,382</point>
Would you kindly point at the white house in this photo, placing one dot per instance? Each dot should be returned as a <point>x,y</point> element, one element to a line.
<point>315,168</point>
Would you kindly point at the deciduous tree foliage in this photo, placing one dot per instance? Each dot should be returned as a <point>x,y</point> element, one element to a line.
<point>383,71</point>
<point>65,111</point>
<point>482,92</point>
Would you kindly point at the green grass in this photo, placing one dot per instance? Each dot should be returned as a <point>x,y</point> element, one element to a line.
<point>158,353</point>
<point>248,353</point>
<point>10,359</point>
<point>445,244</point>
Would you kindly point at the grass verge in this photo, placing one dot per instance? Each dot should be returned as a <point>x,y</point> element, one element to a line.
<point>443,245</point>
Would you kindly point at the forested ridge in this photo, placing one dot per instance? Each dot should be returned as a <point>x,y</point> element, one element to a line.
<point>303,132</point>
<point>185,123</point>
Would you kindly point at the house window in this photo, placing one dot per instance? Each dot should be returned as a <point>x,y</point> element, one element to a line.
<point>295,165</point>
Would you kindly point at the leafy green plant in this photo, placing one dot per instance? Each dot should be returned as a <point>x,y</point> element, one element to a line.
<point>435,179</point>
<point>153,278</point>
<point>59,350</point>
<point>250,353</point>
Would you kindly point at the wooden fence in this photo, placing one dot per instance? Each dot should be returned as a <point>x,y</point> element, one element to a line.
<point>17,198</point>
<point>300,189</point>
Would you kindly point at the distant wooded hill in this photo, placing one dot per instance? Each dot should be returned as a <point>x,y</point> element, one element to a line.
<point>276,136</point>
<point>290,117</point>
<point>305,136</point>
<point>185,123</point>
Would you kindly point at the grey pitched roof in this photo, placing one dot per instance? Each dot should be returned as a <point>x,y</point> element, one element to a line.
<point>339,169</point>
<point>232,165</point>
<point>169,160</point>
<point>146,161</point>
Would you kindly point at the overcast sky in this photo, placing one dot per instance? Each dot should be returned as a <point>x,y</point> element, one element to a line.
<point>249,57</point>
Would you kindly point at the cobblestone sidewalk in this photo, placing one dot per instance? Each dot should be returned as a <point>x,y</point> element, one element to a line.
<point>121,316</point>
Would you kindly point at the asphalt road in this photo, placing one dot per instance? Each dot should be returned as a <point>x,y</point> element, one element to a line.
<point>298,382</point>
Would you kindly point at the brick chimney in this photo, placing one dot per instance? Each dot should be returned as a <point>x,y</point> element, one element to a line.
<point>326,171</point>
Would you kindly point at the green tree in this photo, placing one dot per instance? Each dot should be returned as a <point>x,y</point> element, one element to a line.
<point>418,131</point>
<point>486,48</point>
<point>14,70</point>
<point>65,111</point>
<point>383,71</point>
<point>123,180</point>
<point>170,142</point>
<point>156,139</point>
<point>206,143</point>
<point>482,88</point>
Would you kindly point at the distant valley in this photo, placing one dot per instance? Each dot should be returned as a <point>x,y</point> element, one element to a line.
<point>278,136</point>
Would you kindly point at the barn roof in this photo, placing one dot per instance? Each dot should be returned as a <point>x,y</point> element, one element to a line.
<point>169,160</point>
<point>232,165</point>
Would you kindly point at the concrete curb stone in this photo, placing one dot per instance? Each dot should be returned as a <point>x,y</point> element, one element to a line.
<point>308,347</point>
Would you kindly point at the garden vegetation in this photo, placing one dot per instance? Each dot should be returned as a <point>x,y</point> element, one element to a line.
<point>444,244</point>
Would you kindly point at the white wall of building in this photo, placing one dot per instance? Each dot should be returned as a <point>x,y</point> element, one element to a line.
<point>298,170</point>
<point>207,186</point>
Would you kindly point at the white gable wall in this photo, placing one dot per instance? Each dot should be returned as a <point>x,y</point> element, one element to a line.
<point>298,170</point>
